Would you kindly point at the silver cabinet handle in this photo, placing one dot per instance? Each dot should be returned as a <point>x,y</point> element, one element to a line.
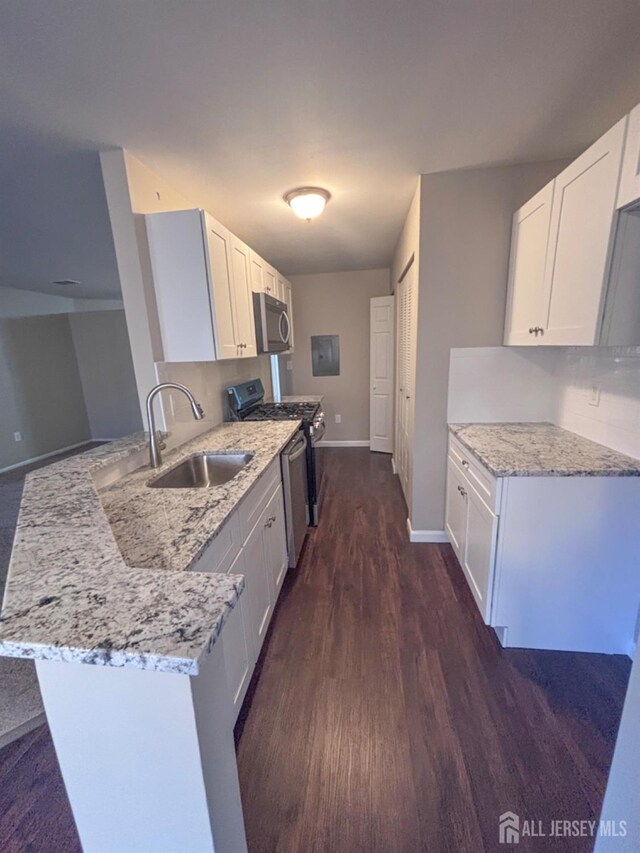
<point>462,491</point>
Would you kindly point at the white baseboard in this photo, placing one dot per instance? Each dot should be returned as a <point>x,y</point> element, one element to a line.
<point>393,465</point>
<point>426,535</point>
<point>345,443</point>
<point>47,455</point>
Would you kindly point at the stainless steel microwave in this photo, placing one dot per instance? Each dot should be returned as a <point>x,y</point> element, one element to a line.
<point>273,328</point>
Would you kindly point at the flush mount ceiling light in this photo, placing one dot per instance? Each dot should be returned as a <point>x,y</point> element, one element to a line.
<point>63,282</point>
<point>307,202</point>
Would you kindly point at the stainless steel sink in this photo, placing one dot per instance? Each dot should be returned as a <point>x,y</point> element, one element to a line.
<point>202,471</point>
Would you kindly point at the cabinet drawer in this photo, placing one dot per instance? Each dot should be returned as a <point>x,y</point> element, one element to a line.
<point>485,483</point>
<point>220,553</point>
<point>253,504</point>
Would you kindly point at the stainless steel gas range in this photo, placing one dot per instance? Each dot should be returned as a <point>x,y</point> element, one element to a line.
<point>246,402</point>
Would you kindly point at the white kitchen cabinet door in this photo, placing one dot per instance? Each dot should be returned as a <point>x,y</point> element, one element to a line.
<point>263,277</point>
<point>281,287</point>
<point>479,550</point>
<point>629,191</point>
<point>456,509</point>
<point>270,279</point>
<point>237,661</point>
<point>580,236</point>
<point>218,249</point>
<point>276,541</point>
<point>258,602</point>
<point>245,332</point>
<point>526,301</point>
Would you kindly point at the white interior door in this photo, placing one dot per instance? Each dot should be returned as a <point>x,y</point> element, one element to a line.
<point>381,374</point>
<point>406,334</point>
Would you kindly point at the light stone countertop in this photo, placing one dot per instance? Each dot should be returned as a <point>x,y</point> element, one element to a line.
<point>303,398</point>
<point>541,450</point>
<point>73,594</point>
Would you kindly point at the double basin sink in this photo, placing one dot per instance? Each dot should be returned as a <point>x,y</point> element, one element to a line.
<point>202,471</point>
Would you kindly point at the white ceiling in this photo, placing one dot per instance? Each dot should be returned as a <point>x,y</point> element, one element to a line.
<point>237,101</point>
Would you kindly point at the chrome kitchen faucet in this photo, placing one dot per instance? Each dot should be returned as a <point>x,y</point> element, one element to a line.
<point>156,442</point>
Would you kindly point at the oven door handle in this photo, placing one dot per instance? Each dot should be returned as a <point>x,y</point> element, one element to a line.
<point>298,453</point>
<point>318,432</point>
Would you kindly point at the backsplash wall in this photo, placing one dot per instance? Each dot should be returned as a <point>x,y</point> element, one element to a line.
<point>208,381</point>
<point>559,384</point>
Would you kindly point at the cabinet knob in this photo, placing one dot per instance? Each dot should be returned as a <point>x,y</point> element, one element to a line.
<point>465,464</point>
<point>532,330</point>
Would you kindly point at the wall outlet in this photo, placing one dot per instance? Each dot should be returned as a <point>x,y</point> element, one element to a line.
<point>338,419</point>
<point>594,395</point>
<point>289,364</point>
<point>17,436</point>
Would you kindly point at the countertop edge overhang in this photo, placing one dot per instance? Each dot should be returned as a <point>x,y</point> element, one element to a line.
<point>541,449</point>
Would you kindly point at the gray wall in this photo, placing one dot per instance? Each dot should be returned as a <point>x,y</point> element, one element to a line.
<point>106,372</point>
<point>40,388</point>
<point>337,304</point>
<point>465,229</point>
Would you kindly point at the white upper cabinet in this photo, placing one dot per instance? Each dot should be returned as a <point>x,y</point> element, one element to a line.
<point>181,284</point>
<point>202,287</point>
<point>526,304</point>
<point>629,191</point>
<point>264,278</point>
<point>270,279</point>
<point>218,252</point>
<point>580,239</point>
<point>245,332</point>
<point>561,251</point>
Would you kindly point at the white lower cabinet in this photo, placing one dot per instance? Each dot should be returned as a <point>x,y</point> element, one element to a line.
<point>238,659</point>
<point>551,561</point>
<point>479,550</point>
<point>252,543</point>
<point>258,597</point>
<point>276,541</point>
<point>472,529</point>
<point>456,522</point>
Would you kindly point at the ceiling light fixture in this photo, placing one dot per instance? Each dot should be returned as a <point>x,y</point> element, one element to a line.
<point>65,281</point>
<point>307,202</point>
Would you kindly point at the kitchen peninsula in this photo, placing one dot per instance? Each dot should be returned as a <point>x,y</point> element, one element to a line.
<point>144,736</point>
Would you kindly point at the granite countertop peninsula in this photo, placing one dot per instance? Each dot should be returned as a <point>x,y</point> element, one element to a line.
<point>541,450</point>
<point>82,589</point>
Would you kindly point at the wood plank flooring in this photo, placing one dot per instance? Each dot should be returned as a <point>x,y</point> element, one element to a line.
<point>384,716</point>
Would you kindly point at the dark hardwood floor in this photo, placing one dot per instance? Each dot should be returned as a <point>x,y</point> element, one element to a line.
<point>384,716</point>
